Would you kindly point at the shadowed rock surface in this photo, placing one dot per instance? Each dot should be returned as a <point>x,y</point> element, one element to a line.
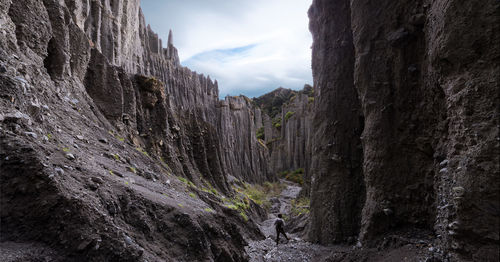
<point>110,150</point>
<point>98,123</point>
<point>416,84</point>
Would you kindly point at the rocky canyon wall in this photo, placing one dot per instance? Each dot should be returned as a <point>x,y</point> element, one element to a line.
<point>416,84</point>
<point>99,126</point>
<point>286,127</point>
<point>289,143</point>
<point>186,136</point>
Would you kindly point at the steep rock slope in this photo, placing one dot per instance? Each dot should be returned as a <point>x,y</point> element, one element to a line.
<point>426,80</point>
<point>98,123</point>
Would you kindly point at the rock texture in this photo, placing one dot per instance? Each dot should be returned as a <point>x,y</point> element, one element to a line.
<point>243,155</point>
<point>420,80</point>
<point>98,125</point>
<point>286,127</point>
<point>337,189</point>
<point>289,148</point>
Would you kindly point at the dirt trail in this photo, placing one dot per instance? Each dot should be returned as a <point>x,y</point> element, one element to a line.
<point>409,246</point>
<point>296,249</point>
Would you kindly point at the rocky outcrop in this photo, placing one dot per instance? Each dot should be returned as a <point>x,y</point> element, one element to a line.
<point>420,80</point>
<point>335,173</point>
<point>289,146</point>
<point>238,121</point>
<point>272,102</point>
<point>98,126</point>
<point>286,127</point>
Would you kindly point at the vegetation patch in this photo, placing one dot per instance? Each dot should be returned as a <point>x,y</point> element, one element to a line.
<point>277,123</point>
<point>296,176</point>
<point>300,206</point>
<point>163,163</point>
<point>273,189</point>
<point>117,157</point>
<point>310,100</point>
<point>142,151</point>
<point>260,133</point>
<point>186,182</point>
<point>132,169</point>
<point>240,203</point>
<point>208,188</point>
<point>288,115</point>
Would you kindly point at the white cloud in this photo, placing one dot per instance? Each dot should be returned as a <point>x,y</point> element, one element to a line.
<point>249,46</point>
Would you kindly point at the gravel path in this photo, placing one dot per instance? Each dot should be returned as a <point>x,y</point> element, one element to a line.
<point>296,249</point>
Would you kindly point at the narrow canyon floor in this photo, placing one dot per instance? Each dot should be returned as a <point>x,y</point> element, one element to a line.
<point>295,249</point>
<point>407,246</point>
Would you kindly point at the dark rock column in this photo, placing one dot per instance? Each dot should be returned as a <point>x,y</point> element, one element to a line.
<point>401,114</point>
<point>336,176</point>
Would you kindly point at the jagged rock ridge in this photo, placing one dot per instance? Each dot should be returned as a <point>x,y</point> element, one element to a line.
<point>98,123</point>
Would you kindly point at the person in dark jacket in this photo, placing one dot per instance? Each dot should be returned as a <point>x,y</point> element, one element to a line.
<point>280,224</point>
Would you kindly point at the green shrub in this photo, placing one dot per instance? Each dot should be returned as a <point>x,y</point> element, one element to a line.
<point>296,178</point>
<point>283,174</point>
<point>300,206</point>
<point>288,115</point>
<point>260,133</point>
<point>192,195</point>
<point>277,122</point>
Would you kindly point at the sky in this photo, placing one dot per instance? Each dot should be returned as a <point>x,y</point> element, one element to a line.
<point>250,46</point>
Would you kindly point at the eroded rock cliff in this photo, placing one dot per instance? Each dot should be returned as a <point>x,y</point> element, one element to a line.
<point>286,127</point>
<point>419,79</point>
<point>98,126</point>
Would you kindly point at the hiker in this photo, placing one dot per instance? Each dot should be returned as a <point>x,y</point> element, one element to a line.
<point>280,224</point>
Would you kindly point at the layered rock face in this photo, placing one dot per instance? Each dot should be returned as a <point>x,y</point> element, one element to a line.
<point>98,122</point>
<point>289,146</point>
<point>286,127</point>
<point>243,156</point>
<point>420,80</point>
